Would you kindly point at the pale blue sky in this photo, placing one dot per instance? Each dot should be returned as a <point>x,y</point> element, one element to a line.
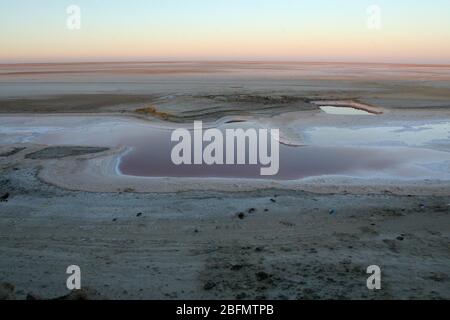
<point>412,30</point>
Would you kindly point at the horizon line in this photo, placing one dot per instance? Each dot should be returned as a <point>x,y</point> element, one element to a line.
<point>300,61</point>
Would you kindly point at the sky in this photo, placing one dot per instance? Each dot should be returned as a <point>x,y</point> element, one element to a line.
<point>411,31</point>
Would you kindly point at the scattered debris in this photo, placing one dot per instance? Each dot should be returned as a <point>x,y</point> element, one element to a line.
<point>287,223</point>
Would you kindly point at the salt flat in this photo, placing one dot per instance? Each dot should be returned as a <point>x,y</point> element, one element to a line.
<point>212,237</point>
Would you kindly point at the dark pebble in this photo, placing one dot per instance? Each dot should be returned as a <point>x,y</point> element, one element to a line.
<point>241,296</point>
<point>209,285</point>
<point>4,197</point>
<point>261,276</point>
<point>236,267</point>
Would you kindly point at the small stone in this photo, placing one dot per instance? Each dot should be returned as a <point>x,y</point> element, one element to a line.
<point>209,285</point>
<point>236,267</point>
<point>241,215</point>
<point>251,210</point>
<point>31,296</point>
<point>4,197</point>
<point>114,220</point>
<point>241,296</point>
<point>261,276</point>
<point>273,200</point>
<point>400,238</point>
<point>139,214</point>
<point>332,211</point>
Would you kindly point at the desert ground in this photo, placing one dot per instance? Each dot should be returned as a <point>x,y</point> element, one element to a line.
<point>62,201</point>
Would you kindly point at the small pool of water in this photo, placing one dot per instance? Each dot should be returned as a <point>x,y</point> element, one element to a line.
<point>149,149</point>
<point>350,111</point>
<point>150,157</point>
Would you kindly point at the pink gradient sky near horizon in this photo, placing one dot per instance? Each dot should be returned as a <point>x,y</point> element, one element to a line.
<point>413,31</point>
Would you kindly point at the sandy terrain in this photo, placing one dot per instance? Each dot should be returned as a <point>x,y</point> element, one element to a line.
<point>171,238</point>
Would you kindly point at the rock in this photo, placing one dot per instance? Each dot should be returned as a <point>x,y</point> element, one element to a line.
<point>241,215</point>
<point>273,200</point>
<point>241,296</point>
<point>114,220</point>
<point>4,197</point>
<point>139,214</point>
<point>266,210</point>
<point>332,211</point>
<point>251,210</point>
<point>7,291</point>
<point>400,238</point>
<point>31,296</point>
<point>209,285</point>
<point>261,276</point>
<point>236,267</point>
<point>82,294</point>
